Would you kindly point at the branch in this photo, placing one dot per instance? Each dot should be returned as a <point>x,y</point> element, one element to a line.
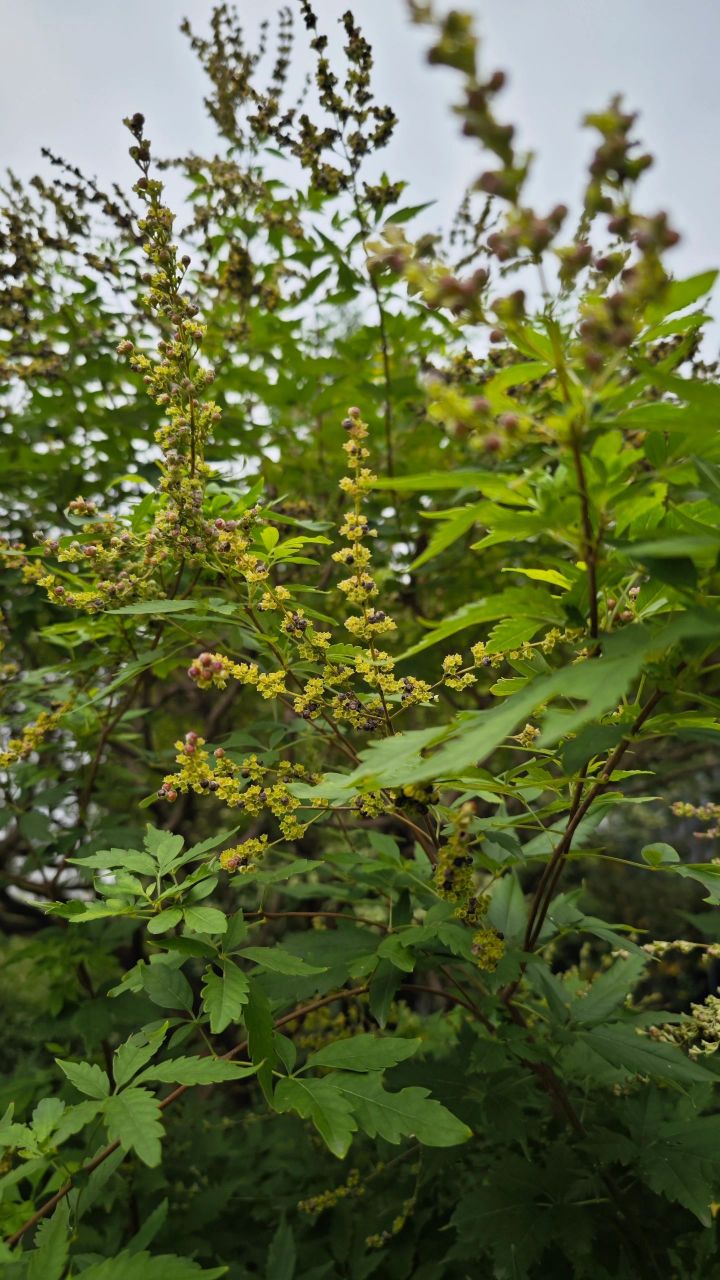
<point>107,1151</point>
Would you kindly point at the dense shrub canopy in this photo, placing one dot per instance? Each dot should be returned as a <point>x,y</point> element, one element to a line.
<point>360,626</point>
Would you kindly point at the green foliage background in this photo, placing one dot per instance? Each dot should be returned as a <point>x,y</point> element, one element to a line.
<point>355,927</point>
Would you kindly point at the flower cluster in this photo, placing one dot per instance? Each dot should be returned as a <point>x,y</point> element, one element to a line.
<point>488,949</point>
<point>246,856</point>
<point>32,736</point>
<point>360,587</point>
<point>247,785</point>
<point>328,1199</point>
<point>709,812</point>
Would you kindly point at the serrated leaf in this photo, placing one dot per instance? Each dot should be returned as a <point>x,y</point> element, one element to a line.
<point>167,987</point>
<point>145,1266</point>
<point>131,1056</point>
<point>196,1071</point>
<point>281,1254</point>
<point>205,919</point>
<point>364,1053</point>
<point>164,920</point>
<point>622,1047</point>
<point>128,859</point>
<point>261,1037</point>
<point>277,960</point>
<point>48,1258</point>
<point>393,1116</point>
<point>321,1102</point>
<point>609,990</point>
<point>225,995</point>
<point>87,1077</point>
<point>164,846</point>
<point>133,1119</point>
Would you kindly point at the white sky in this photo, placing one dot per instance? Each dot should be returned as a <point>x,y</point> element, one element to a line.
<point>72,68</point>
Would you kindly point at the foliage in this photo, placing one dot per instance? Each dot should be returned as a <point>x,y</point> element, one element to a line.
<point>367,958</point>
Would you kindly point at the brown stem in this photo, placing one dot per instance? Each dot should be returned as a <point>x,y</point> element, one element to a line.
<point>589,543</point>
<point>546,888</point>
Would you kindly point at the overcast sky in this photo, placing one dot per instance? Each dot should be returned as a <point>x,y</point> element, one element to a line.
<point>72,68</point>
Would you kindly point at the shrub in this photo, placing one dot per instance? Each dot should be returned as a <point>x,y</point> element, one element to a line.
<point>409,546</point>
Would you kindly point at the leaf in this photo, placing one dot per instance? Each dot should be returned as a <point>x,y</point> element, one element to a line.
<point>512,634</point>
<point>681,1163</point>
<point>152,607</point>
<point>145,1266</point>
<point>410,211</point>
<point>164,920</point>
<point>454,526</point>
<point>205,919</point>
<point>320,1101</point>
<point>224,995</point>
<point>164,847</point>
<point>659,854</point>
<point>508,910</point>
<point>707,874</point>
<point>87,1077</point>
<point>196,1071</point>
<point>364,1053</point>
<point>133,1119</point>
<point>48,1258</point>
<point>261,1037</point>
<point>128,859</point>
<point>383,987</point>
<point>393,1116</point>
<point>609,990</point>
<point>622,1047</point>
<point>277,960</point>
<point>524,602</point>
<point>167,987</point>
<point>680,294</point>
<point>552,576</point>
<point>281,1254</point>
<point>131,1056</point>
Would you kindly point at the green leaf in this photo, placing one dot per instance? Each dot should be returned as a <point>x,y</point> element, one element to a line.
<point>224,995</point>
<point>164,920</point>
<point>681,1163</point>
<point>524,602</point>
<point>393,1116</point>
<point>133,1119</point>
<point>681,294</point>
<point>87,1077</point>
<point>167,987</point>
<point>609,990</point>
<point>658,855</point>
<point>152,607</point>
<point>145,1266</point>
<point>131,1056</point>
<point>512,634</point>
<point>321,1102</point>
<point>277,960</point>
<point>127,859</point>
<point>383,988</point>
<point>364,1053</point>
<point>164,847</point>
<point>551,576</point>
<point>261,1037</point>
<point>508,910</point>
<point>622,1047</point>
<point>48,1258</point>
<point>205,919</point>
<point>281,1254</point>
<point>192,1071</point>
